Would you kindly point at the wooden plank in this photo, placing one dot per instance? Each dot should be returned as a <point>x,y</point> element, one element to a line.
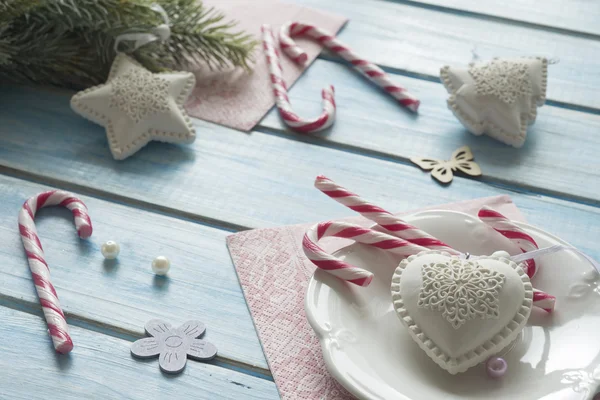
<point>421,41</point>
<point>120,297</point>
<point>573,15</point>
<point>252,180</point>
<point>101,367</point>
<point>558,157</point>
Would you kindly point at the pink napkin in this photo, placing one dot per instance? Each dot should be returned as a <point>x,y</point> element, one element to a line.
<point>274,274</point>
<point>239,99</point>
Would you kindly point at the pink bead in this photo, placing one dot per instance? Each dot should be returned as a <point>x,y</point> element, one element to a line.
<point>496,367</point>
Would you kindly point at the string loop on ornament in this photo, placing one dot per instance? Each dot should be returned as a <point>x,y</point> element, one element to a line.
<point>161,32</point>
<point>529,255</point>
<point>553,249</point>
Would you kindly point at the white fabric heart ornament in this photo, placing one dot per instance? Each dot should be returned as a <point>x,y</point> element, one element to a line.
<point>459,311</point>
<point>499,97</point>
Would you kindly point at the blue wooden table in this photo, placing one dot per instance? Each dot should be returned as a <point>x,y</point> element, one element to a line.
<point>183,201</point>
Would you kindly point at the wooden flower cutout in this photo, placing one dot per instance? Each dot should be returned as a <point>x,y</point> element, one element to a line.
<point>174,346</point>
<point>462,160</point>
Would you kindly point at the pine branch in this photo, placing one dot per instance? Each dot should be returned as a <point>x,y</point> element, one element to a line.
<point>72,14</point>
<point>58,60</point>
<point>200,36</point>
<point>70,42</point>
<point>10,9</point>
<point>6,51</point>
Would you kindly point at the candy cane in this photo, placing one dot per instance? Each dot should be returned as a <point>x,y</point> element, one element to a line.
<point>55,318</point>
<point>543,300</point>
<point>393,225</point>
<point>282,100</point>
<point>341,269</point>
<point>511,231</point>
<point>367,69</point>
<point>525,242</point>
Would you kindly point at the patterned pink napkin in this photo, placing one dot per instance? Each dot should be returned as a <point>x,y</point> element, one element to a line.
<point>274,274</point>
<point>236,98</point>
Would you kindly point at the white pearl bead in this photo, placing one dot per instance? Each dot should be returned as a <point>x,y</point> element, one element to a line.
<point>110,250</point>
<point>161,265</point>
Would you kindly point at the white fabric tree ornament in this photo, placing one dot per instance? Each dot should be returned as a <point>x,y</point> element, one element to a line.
<point>499,97</point>
<point>136,106</point>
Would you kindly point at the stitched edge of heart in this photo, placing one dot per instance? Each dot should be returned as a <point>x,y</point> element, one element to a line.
<point>490,128</point>
<point>455,365</point>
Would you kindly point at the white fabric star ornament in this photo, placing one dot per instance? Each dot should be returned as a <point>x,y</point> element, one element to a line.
<point>499,97</point>
<point>136,106</point>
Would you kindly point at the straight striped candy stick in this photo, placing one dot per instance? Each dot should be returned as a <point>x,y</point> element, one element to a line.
<point>280,91</point>
<point>55,318</point>
<point>341,269</point>
<point>369,70</point>
<point>391,223</point>
<point>525,242</point>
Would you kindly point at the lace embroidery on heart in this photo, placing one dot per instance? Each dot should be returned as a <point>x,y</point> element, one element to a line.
<point>462,290</point>
<point>507,80</point>
<point>139,93</point>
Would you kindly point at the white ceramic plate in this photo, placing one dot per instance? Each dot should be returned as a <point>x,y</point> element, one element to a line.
<point>366,348</point>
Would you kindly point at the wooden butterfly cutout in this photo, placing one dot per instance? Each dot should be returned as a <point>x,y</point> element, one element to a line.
<point>462,160</point>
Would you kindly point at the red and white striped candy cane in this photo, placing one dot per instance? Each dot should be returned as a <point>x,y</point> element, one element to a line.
<point>543,300</point>
<point>280,91</point>
<point>55,318</point>
<point>367,69</point>
<point>512,232</point>
<point>393,224</point>
<point>525,242</point>
<point>341,269</point>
